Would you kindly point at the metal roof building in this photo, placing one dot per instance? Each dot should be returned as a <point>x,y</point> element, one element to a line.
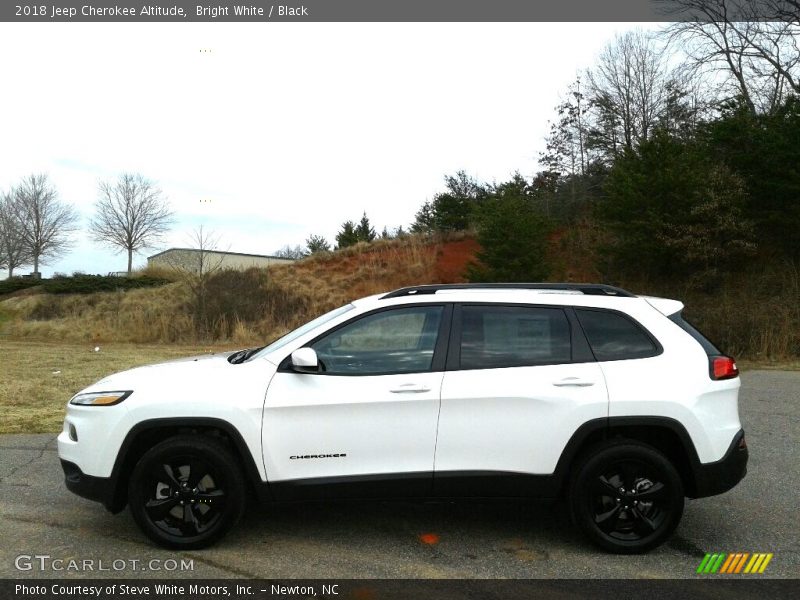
<point>194,260</point>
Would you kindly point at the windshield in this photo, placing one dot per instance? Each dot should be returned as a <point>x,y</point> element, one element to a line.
<point>302,330</point>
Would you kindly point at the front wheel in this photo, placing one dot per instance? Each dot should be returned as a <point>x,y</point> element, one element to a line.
<point>187,492</point>
<point>627,497</point>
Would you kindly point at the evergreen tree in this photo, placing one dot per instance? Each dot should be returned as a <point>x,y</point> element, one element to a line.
<point>453,209</point>
<point>674,211</point>
<point>513,234</point>
<point>317,243</point>
<point>364,231</point>
<point>424,220</point>
<point>347,236</point>
<point>765,151</point>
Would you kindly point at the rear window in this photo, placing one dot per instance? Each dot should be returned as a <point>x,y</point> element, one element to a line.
<point>614,336</point>
<point>711,349</point>
<point>513,336</point>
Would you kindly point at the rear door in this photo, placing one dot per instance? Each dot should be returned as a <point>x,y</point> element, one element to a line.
<point>520,381</point>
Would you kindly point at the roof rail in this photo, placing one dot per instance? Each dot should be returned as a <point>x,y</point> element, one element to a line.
<point>590,289</point>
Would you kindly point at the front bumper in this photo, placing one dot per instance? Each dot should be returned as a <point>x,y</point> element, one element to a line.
<point>99,489</point>
<point>720,476</point>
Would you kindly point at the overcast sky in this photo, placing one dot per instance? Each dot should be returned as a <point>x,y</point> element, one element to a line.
<point>278,131</point>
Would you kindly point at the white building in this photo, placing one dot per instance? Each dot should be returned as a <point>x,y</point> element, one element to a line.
<point>205,260</point>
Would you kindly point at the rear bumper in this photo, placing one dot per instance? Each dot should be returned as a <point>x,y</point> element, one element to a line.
<point>99,489</point>
<point>720,476</point>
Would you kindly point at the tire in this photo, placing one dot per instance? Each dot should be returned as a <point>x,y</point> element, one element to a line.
<point>626,497</point>
<point>187,492</point>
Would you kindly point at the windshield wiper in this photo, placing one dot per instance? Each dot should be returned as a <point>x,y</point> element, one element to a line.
<point>235,358</point>
<point>242,355</point>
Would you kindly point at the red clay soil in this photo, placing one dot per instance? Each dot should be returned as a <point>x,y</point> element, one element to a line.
<point>452,260</point>
<point>383,266</point>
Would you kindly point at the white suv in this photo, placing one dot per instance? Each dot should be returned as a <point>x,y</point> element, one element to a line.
<point>576,391</point>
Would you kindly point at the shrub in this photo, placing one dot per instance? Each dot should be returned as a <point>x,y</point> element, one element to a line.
<point>89,284</point>
<point>236,299</point>
<point>7,286</point>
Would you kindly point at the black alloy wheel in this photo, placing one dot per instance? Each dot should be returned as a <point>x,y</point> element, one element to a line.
<point>627,497</point>
<point>187,491</point>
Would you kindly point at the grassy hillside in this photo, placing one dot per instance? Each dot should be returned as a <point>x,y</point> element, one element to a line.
<point>244,308</point>
<point>754,314</point>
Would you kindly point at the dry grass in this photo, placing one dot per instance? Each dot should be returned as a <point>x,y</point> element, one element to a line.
<point>334,278</point>
<point>142,315</point>
<point>38,378</point>
<point>289,295</point>
<point>753,314</point>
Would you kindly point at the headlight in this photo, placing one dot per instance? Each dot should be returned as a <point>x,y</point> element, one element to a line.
<point>100,398</point>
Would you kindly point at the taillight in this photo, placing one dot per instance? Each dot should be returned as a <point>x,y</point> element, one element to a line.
<point>723,367</point>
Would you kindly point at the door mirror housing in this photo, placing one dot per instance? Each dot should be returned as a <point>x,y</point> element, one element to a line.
<point>304,360</point>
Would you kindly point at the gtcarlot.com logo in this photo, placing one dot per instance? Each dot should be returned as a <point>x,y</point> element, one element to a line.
<point>45,562</point>
<point>734,563</point>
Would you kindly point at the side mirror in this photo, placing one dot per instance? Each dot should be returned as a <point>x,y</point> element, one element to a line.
<point>304,360</point>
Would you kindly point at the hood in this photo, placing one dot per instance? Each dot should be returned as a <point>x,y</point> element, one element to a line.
<point>177,368</point>
<point>186,377</point>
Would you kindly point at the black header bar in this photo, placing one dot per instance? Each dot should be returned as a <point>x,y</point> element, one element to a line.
<point>255,11</point>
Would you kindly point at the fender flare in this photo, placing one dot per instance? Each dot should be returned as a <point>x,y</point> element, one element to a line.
<point>117,497</point>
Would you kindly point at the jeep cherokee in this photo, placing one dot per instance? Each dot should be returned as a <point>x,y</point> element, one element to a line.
<point>584,392</point>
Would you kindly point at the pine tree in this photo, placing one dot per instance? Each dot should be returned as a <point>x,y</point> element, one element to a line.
<point>364,231</point>
<point>347,236</point>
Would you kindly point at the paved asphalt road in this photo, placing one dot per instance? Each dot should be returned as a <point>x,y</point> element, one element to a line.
<point>38,516</point>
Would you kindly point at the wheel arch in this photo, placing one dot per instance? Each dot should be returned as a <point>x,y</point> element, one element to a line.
<point>145,434</point>
<point>665,434</point>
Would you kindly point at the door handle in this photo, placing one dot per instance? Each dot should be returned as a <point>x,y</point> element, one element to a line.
<point>410,388</point>
<point>573,382</point>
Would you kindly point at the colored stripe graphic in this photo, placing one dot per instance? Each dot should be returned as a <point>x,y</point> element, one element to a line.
<point>757,564</point>
<point>717,565</point>
<point>741,562</point>
<point>703,563</point>
<point>732,558</point>
<point>720,562</point>
<point>764,564</point>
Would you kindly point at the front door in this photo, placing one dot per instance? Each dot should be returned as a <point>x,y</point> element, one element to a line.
<point>365,424</point>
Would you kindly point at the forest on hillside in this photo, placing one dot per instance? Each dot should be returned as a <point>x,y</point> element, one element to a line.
<point>672,166</point>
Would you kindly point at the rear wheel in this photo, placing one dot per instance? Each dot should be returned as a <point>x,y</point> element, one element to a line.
<point>187,492</point>
<point>626,496</point>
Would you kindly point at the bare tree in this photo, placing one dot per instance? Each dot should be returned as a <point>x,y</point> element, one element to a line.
<point>750,49</point>
<point>45,222</point>
<point>628,91</point>
<point>131,214</point>
<point>566,152</point>
<point>785,10</point>
<point>294,252</point>
<point>195,267</point>
<point>12,246</point>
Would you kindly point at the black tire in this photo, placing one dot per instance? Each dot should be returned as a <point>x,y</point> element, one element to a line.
<point>187,492</point>
<point>626,497</point>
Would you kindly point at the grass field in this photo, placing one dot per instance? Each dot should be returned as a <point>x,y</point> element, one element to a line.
<point>38,378</point>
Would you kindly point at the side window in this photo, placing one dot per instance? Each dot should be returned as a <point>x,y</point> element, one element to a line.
<point>513,336</point>
<point>401,340</point>
<point>707,345</point>
<point>613,336</point>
